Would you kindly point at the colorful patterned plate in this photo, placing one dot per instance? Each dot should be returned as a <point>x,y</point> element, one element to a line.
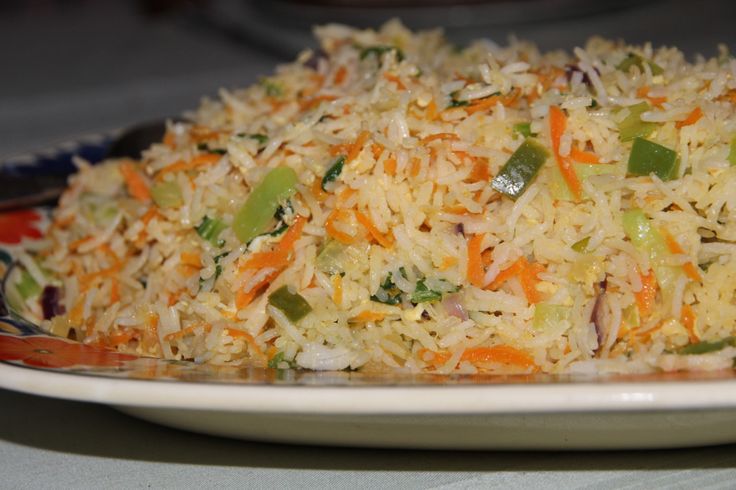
<point>347,408</point>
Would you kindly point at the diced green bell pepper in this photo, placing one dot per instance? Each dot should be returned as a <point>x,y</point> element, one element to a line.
<point>27,286</point>
<point>256,214</point>
<point>520,169</point>
<point>632,126</point>
<point>647,157</point>
<point>291,304</point>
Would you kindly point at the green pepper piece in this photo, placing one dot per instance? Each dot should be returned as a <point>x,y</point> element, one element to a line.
<point>422,294</point>
<point>548,316</point>
<point>256,214</point>
<point>524,129</point>
<point>520,169</point>
<point>167,195</point>
<point>378,51</point>
<point>273,89</point>
<point>260,138</point>
<point>388,294</point>
<point>27,286</point>
<point>278,359</point>
<point>328,258</point>
<point>293,305</point>
<point>705,347</point>
<point>635,60</point>
<point>732,152</point>
<point>334,171</point>
<point>647,157</point>
<point>632,126</point>
<point>558,186</point>
<point>647,239</point>
<point>210,228</point>
<point>581,246</point>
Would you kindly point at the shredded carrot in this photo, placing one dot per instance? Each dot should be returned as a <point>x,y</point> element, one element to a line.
<point>688,319</point>
<point>440,136</point>
<point>430,113</point>
<point>149,215</point>
<point>489,102</point>
<point>244,298</point>
<point>584,156</point>
<point>191,259</point>
<point>199,134</point>
<point>340,75</point>
<point>122,337</point>
<point>389,165</point>
<point>385,241</point>
<point>729,96</point>
<point>235,333</point>
<point>114,291</point>
<point>643,93</point>
<point>369,316</point>
<point>358,145</point>
<point>78,243</point>
<point>170,139</point>
<point>317,191</point>
<point>692,118</point>
<point>393,78</point>
<point>689,268</point>
<point>645,298</point>
<point>315,101</point>
<point>476,272</point>
<point>337,215</point>
<point>480,172</point>
<point>279,257</point>
<point>501,354</point>
<point>87,280</point>
<point>75,315</point>
<point>337,289</point>
<point>377,149</point>
<point>184,331</point>
<point>181,165</point>
<point>557,124</point>
<point>527,274</point>
<point>416,166</point>
<point>447,262</point>
<point>137,186</point>
<point>345,195</point>
<point>339,149</point>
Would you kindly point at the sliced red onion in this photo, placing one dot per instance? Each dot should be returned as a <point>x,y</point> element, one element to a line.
<point>452,306</point>
<point>50,302</point>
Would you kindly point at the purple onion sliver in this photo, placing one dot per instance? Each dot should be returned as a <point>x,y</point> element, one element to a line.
<point>50,302</point>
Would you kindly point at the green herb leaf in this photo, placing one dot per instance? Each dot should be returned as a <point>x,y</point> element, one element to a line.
<point>293,305</point>
<point>260,138</point>
<point>273,89</point>
<point>216,151</point>
<point>389,294</point>
<point>634,59</point>
<point>334,171</point>
<point>524,129</point>
<point>422,294</point>
<point>210,228</point>
<point>705,347</point>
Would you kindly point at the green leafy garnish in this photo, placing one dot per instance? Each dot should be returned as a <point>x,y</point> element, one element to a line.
<point>634,59</point>
<point>334,171</point>
<point>705,347</point>
<point>524,129</point>
<point>273,89</point>
<point>388,294</point>
<point>291,304</point>
<point>216,151</point>
<point>210,228</point>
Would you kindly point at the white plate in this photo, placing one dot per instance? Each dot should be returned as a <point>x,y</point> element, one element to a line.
<point>347,410</point>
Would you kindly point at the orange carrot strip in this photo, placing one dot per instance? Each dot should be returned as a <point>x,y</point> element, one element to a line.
<point>645,298</point>
<point>78,243</point>
<point>440,136</point>
<point>480,172</point>
<point>341,149</point>
<point>430,113</point>
<point>689,268</point>
<point>337,289</point>
<point>340,75</point>
<point>643,92</point>
<point>358,145</point>
<point>584,156</point>
<point>315,101</point>
<point>244,298</point>
<point>335,215</point>
<point>137,186</point>
<point>344,195</point>
<point>169,139</point>
<point>389,166</point>
<point>235,333</point>
<point>384,240</point>
<point>377,149</point>
<point>692,118</point>
<point>447,262</point>
<point>476,272</point>
<point>487,103</point>
<point>122,337</point>
<point>688,318</point>
<point>503,354</point>
<point>317,191</point>
<point>184,331</point>
<point>114,291</point>
<point>181,165</point>
<point>557,123</point>
<point>416,165</point>
<point>527,274</point>
<point>279,257</point>
<point>369,316</point>
<point>393,78</point>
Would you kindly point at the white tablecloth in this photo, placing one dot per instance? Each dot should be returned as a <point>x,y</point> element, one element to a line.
<point>95,66</point>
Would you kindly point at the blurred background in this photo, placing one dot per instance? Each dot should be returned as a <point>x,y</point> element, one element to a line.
<point>71,67</point>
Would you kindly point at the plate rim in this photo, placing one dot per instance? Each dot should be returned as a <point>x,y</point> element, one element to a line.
<point>589,397</point>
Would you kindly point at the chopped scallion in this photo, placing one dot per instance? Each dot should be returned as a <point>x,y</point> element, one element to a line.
<point>291,304</point>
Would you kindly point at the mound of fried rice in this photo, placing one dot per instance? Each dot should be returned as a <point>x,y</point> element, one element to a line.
<point>408,257</point>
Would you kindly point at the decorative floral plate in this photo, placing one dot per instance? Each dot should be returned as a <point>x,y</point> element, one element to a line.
<point>348,408</point>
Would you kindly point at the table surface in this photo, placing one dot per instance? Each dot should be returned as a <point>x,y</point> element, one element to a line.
<point>94,66</point>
